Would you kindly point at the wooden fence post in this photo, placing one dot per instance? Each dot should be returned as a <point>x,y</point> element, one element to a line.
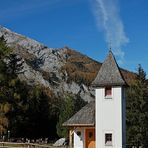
<point>28,143</point>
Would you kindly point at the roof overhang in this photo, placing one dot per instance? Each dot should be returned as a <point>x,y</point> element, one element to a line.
<point>79,125</point>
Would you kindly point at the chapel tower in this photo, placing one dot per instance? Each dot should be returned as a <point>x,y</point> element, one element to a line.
<point>110,105</point>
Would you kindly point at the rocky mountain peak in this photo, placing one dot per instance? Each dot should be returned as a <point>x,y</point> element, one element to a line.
<point>59,70</point>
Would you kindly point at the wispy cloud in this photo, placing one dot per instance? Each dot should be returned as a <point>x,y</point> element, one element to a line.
<point>109,21</point>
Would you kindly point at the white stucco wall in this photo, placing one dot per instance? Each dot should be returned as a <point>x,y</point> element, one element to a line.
<point>79,140</point>
<point>124,118</point>
<point>109,117</point>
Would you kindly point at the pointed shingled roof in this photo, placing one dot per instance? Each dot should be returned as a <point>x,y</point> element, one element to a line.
<point>109,73</point>
<point>84,117</point>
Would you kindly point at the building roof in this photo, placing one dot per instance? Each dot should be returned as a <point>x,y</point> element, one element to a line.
<point>109,73</point>
<point>84,117</point>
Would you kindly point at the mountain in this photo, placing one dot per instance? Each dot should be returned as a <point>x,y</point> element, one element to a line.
<point>58,70</point>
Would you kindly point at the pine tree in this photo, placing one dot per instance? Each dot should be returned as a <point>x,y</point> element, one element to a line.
<point>4,49</point>
<point>66,110</point>
<point>10,85</point>
<point>14,65</point>
<point>4,105</point>
<point>68,107</point>
<point>137,110</point>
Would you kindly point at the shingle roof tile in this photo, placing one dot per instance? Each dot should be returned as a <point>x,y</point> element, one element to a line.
<point>84,117</point>
<point>109,73</point>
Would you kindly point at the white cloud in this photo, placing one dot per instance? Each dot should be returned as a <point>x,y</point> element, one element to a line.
<point>108,20</point>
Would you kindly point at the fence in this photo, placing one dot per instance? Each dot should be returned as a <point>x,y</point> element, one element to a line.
<point>22,145</point>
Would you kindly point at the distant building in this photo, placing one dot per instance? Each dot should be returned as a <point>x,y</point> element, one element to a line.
<point>101,123</point>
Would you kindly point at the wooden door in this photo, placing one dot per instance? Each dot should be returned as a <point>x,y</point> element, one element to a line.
<point>90,138</point>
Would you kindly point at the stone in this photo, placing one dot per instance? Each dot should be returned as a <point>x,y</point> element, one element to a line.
<point>60,142</point>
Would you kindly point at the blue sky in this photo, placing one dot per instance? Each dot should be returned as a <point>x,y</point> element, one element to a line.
<point>88,26</point>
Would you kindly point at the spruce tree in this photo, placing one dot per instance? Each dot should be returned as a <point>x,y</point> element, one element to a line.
<point>10,85</point>
<point>68,107</point>
<point>66,110</point>
<point>137,110</point>
<point>4,91</point>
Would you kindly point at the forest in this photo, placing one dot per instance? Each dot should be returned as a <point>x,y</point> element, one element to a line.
<point>26,111</point>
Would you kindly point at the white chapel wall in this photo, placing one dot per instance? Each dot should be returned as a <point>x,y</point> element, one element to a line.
<point>79,140</point>
<point>109,117</point>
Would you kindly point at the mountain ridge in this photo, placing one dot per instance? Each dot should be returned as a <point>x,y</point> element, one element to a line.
<point>57,69</point>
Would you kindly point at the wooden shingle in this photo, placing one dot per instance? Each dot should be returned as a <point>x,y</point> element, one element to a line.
<point>84,117</point>
<point>109,73</point>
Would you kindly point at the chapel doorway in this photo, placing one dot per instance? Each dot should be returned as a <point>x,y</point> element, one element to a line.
<point>90,138</point>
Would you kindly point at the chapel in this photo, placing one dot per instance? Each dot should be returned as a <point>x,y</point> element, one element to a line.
<point>101,123</point>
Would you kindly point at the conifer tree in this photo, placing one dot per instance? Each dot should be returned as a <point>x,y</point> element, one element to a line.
<point>137,111</point>
<point>4,105</point>
<point>14,65</point>
<point>66,110</point>
<point>68,107</point>
<point>10,85</point>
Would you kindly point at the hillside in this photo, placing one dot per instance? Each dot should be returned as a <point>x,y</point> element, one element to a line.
<point>58,70</point>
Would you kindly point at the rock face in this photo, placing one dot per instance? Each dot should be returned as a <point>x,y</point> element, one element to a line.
<point>60,70</point>
<point>60,142</point>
